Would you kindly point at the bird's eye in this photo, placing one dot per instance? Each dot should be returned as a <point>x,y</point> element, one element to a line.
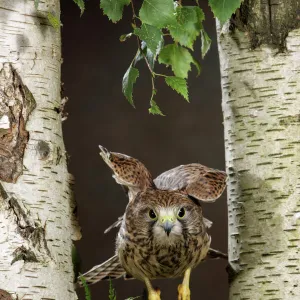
<point>152,214</point>
<point>181,213</point>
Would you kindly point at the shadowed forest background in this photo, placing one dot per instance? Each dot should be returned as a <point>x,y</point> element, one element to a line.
<point>94,62</point>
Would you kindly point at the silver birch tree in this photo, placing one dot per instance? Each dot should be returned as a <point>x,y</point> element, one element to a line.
<point>259,53</point>
<point>37,225</point>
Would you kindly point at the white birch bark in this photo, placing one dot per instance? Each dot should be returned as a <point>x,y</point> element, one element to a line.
<point>261,106</point>
<point>36,213</point>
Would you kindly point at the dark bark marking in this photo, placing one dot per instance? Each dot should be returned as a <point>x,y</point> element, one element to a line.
<point>26,226</point>
<point>22,253</point>
<point>267,22</point>
<point>3,194</point>
<point>59,155</point>
<point>43,150</point>
<point>61,109</point>
<point>16,104</point>
<point>29,229</point>
<point>290,120</point>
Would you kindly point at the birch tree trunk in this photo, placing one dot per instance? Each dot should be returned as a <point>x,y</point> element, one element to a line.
<point>260,75</point>
<point>36,205</point>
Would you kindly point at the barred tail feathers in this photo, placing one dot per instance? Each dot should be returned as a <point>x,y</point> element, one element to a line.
<point>110,269</point>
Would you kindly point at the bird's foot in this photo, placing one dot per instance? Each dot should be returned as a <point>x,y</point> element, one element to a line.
<point>154,295</point>
<point>184,292</point>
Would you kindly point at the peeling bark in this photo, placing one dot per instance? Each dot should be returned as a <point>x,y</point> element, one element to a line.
<point>37,220</point>
<point>16,104</point>
<point>5,295</point>
<point>261,105</point>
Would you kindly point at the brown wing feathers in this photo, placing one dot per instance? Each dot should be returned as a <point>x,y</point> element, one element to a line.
<point>128,172</point>
<point>110,269</point>
<point>196,180</point>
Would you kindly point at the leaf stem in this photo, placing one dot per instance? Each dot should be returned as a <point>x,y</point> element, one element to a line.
<point>153,89</point>
<point>133,12</point>
<point>148,65</point>
<point>160,75</point>
<point>139,41</point>
<point>153,74</point>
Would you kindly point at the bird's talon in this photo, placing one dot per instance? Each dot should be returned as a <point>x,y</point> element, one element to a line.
<point>184,292</point>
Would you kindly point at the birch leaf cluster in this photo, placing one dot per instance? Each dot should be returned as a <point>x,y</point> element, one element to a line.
<point>152,25</point>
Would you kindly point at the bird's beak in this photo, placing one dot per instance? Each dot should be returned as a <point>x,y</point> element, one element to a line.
<point>103,150</point>
<point>167,225</point>
<point>105,155</point>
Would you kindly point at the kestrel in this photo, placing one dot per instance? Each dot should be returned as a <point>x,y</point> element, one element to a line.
<point>163,233</point>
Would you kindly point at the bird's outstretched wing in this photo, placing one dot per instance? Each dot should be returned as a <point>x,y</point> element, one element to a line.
<point>128,172</point>
<point>196,180</point>
<point>110,269</point>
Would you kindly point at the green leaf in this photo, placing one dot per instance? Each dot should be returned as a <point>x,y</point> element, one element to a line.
<point>143,53</point>
<point>178,58</point>
<point>200,15</point>
<point>81,5</point>
<point>113,8</point>
<point>54,21</point>
<point>150,57</point>
<point>36,3</point>
<point>124,37</point>
<point>151,35</point>
<point>224,9</point>
<point>197,65</point>
<point>112,292</point>
<point>154,109</point>
<point>128,81</point>
<point>87,291</point>
<point>179,85</point>
<point>188,26</point>
<point>159,13</point>
<point>205,41</point>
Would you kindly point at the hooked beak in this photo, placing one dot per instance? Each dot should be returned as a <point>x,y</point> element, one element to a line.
<point>167,226</point>
<point>105,154</point>
<point>103,150</point>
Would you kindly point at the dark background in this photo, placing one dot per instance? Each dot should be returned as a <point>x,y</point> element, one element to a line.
<point>94,64</point>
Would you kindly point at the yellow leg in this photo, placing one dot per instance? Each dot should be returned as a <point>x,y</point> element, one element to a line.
<point>152,293</point>
<point>184,289</point>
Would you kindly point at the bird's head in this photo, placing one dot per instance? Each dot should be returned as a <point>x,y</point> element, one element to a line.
<point>127,170</point>
<point>164,216</point>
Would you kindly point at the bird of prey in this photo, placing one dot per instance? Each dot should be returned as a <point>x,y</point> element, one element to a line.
<point>163,233</point>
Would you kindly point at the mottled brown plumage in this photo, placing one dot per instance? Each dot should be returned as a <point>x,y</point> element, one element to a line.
<point>198,181</point>
<point>128,171</point>
<point>146,251</point>
<point>163,233</point>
